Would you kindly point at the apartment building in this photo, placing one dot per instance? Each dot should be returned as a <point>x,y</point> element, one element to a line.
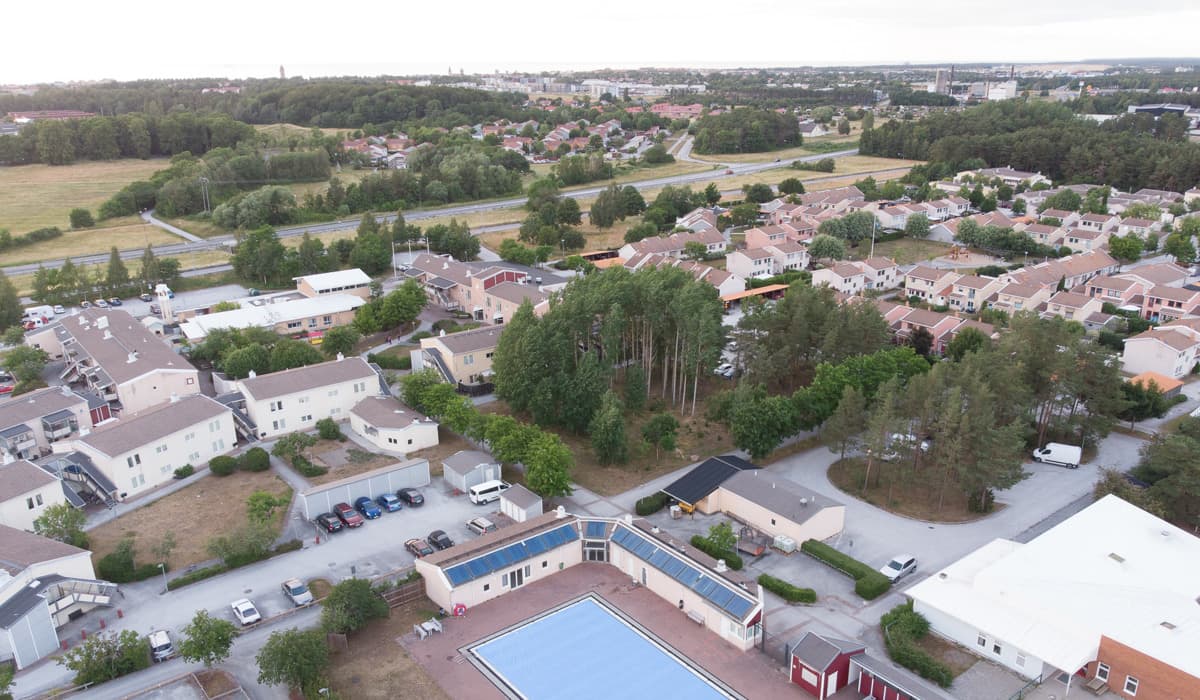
<point>295,399</point>
<point>846,278</point>
<point>26,491</point>
<point>464,357</point>
<point>927,283</point>
<point>490,293</point>
<point>31,423</point>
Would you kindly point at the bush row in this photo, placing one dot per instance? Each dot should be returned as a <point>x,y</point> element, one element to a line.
<point>651,504</point>
<point>785,590</point>
<point>902,626</point>
<point>254,459</point>
<point>732,560</point>
<point>391,361</point>
<point>306,468</point>
<point>210,571</point>
<point>869,584</point>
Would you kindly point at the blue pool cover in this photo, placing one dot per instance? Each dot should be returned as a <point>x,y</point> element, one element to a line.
<point>584,652</point>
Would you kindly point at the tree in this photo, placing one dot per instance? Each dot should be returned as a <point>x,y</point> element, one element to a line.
<point>238,363</point>
<point>25,363</point>
<point>1142,400</point>
<point>259,256</point>
<point>1126,249</point>
<point>117,276</point>
<point>607,430</point>
<point>1118,484</point>
<point>758,193</point>
<point>81,218</point>
<point>721,537</point>
<point>921,341</point>
<point>1018,207</point>
<point>104,657</point>
<point>917,226</point>
<point>660,431</point>
<point>339,340</point>
<point>840,432</point>
<point>791,185</point>
<point>295,658</point>
<point>289,354</point>
<point>1181,248</point>
<point>246,544</point>
<point>207,639</point>
<point>62,522</point>
<point>826,247</point>
<point>843,126</point>
<point>712,194</point>
<point>10,304</point>
<point>261,506</point>
<point>608,207</point>
<point>868,121</point>
<point>759,422</point>
<point>966,341</point>
<point>351,605</point>
<point>744,214</point>
<point>632,202</point>
<point>150,272</point>
<point>548,464</point>
<point>1066,200</point>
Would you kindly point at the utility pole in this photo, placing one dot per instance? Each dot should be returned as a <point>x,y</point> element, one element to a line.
<point>204,192</point>
<point>874,221</point>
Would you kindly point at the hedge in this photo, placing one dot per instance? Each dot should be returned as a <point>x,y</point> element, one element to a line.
<point>391,361</point>
<point>869,584</point>
<point>254,459</point>
<point>185,471</point>
<point>732,560</point>
<point>210,571</point>
<point>223,465</point>
<point>306,468</point>
<point>902,626</point>
<point>651,504</point>
<point>785,590</point>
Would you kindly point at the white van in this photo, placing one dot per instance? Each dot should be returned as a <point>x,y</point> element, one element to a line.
<point>161,648</point>
<point>1057,453</point>
<point>487,492</point>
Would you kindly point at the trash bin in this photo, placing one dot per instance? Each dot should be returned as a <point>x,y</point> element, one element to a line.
<point>676,513</point>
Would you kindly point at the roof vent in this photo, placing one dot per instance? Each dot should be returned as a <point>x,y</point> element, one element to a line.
<point>340,357</point>
<point>252,374</point>
<point>102,322</point>
<point>943,576</point>
<point>628,518</point>
<point>107,334</point>
<point>1116,557</point>
<point>1167,625</point>
<point>654,529</point>
<point>560,513</point>
<point>720,568</point>
<point>132,358</point>
<point>174,397</point>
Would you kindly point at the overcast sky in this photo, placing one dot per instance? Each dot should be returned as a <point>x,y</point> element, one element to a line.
<point>131,39</point>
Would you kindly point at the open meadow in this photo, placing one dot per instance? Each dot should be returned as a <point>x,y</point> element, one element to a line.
<point>36,196</point>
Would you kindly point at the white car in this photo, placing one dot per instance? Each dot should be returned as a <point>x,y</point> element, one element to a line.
<point>900,566</point>
<point>297,592</point>
<point>59,309</point>
<point>722,369</point>
<point>245,612</point>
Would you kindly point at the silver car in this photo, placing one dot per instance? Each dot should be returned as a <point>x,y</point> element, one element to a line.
<point>900,566</point>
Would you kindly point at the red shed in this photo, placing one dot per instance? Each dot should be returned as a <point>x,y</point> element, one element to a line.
<point>821,665</point>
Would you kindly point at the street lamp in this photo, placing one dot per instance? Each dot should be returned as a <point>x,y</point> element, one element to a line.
<point>162,567</point>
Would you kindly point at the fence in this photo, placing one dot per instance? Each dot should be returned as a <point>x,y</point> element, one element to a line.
<point>1026,688</point>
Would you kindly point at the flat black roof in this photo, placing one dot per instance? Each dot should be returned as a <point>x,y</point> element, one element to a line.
<point>705,478</point>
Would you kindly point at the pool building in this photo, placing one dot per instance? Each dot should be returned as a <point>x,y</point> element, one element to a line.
<point>725,602</point>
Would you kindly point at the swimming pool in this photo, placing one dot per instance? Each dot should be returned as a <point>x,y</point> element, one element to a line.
<point>585,651</point>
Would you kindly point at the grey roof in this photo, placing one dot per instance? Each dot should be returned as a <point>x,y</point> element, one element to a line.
<point>781,496</point>
<point>32,596</point>
<point>59,416</point>
<point>37,404</point>
<point>71,494</point>
<point>80,463</point>
<point>463,461</point>
<point>137,429</point>
<point>819,652</point>
<point>906,681</point>
<point>291,381</point>
<point>14,430</point>
<point>705,478</point>
<point>20,550</point>
<point>471,341</point>
<point>109,336</point>
<point>518,293</point>
<point>521,497</point>
<point>21,477</point>
<point>386,412</point>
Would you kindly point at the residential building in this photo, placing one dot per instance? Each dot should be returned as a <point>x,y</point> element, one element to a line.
<point>295,399</point>
<point>26,490</point>
<point>1073,307</point>
<point>44,584</point>
<point>772,234</point>
<point>1118,290</point>
<point>1082,240</point>
<point>970,293</point>
<point>142,450</point>
<point>674,244</point>
<point>490,292</point>
<point>1012,298</point>
<point>941,327</point>
<point>1156,274</point>
<point>306,317</point>
<point>1171,349</point>
<point>1006,175</point>
<point>880,273</point>
<point>352,281</point>
<point>701,219</point>
<point>110,353</point>
<point>724,602</point>
<point>1099,222</point>
<point>390,425</point>
<point>1046,235</point>
<point>926,282</point>
<point>1065,218</point>
<point>1032,607</point>
<point>1070,271</point>
<point>464,357</point>
<point>753,263</point>
<point>1142,228</point>
<point>789,256</point>
<point>1161,303</point>
<point>844,277</point>
<point>838,199</point>
<point>29,424</point>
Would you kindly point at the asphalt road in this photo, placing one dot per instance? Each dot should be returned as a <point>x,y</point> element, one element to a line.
<point>219,242</point>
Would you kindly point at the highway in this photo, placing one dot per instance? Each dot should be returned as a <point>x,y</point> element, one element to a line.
<point>227,241</point>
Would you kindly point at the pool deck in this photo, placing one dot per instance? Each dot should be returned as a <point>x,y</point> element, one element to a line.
<point>751,673</point>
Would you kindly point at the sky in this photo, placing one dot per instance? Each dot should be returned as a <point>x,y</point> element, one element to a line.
<point>132,39</point>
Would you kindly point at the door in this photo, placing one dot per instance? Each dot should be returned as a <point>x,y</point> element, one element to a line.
<point>516,578</point>
<point>831,684</point>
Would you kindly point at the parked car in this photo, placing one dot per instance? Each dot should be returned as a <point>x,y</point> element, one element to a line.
<point>329,522</point>
<point>85,304</point>
<point>722,368</point>
<point>348,516</point>
<point>113,301</point>
<point>488,491</point>
<point>411,496</point>
<point>297,592</point>
<point>389,502</point>
<point>1057,453</point>
<point>481,526</point>
<point>146,296</point>
<point>367,507</point>
<point>100,304</point>
<point>419,548</point>
<point>900,566</point>
<point>154,309</point>
<point>59,309</point>
<point>245,612</point>
<point>439,539</point>
<point>6,388</point>
<point>161,648</point>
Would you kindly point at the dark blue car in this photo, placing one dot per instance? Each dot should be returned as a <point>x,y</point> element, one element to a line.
<point>367,507</point>
<point>389,502</point>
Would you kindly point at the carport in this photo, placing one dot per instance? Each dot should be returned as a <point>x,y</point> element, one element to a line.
<point>321,499</point>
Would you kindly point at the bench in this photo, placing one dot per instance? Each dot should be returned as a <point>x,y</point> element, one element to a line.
<point>696,617</point>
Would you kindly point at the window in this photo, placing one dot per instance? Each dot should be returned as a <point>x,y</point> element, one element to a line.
<point>134,460</point>
<point>996,648</point>
<point>504,580</point>
<point>981,641</point>
<point>302,400</point>
<point>194,457</point>
<point>191,380</point>
<point>328,320</point>
<point>360,387</point>
<point>392,441</point>
<point>276,406</point>
<point>527,569</point>
<point>410,441</point>
<point>219,445</point>
<point>189,437</point>
<point>293,324</point>
<point>29,502</point>
<point>545,564</point>
<point>468,359</point>
<point>305,419</point>
<point>1102,671</point>
<point>334,411</point>
<point>333,392</point>
<point>280,424</point>
<point>487,586</point>
<point>165,468</point>
<point>214,426</point>
<point>312,323</point>
<point>1131,685</point>
<point>160,449</point>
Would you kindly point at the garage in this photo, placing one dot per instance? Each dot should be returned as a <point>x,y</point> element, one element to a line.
<point>412,473</point>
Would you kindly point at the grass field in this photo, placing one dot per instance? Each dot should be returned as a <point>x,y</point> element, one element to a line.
<point>904,496</point>
<point>597,239</point>
<point>904,251</point>
<point>282,132</point>
<point>89,241</point>
<point>376,667</point>
<point>811,146</point>
<point>212,506</point>
<point>35,196</point>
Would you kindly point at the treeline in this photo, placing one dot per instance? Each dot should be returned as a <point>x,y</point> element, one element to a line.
<point>746,131</point>
<point>903,96</point>
<point>133,135</point>
<point>769,97</point>
<point>71,283</point>
<point>1118,102</point>
<point>1044,138</point>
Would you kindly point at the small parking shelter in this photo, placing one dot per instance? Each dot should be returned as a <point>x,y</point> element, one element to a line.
<point>412,473</point>
<point>467,468</point>
<point>520,504</point>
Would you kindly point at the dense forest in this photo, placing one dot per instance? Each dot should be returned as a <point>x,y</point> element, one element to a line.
<point>746,131</point>
<point>1128,153</point>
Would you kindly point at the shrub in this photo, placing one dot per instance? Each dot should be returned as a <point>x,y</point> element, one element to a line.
<point>651,504</point>
<point>223,465</point>
<point>327,429</point>
<point>391,361</point>
<point>254,459</point>
<point>185,471</point>
<point>415,337</point>
<point>869,583</point>
<point>732,560</point>
<point>119,566</point>
<point>785,590</point>
<point>306,468</point>
<point>902,626</point>
<point>197,575</point>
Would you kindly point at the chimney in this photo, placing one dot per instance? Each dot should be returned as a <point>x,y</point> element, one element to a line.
<point>107,334</point>
<point>560,513</point>
<point>628,519</point>
<point>132,358</point>
<point>66,390</point>
<point>253,374</point>
<point>340,357</point>
<point>720,568</point>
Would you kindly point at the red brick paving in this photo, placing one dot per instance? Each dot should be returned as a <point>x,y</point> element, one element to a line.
<point>750,673</point>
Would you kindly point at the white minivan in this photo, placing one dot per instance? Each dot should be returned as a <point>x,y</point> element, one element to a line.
<point>487,492</point>
<point>1057,453</point>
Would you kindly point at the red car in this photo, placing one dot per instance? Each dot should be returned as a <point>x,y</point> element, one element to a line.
<point>348,515</point>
